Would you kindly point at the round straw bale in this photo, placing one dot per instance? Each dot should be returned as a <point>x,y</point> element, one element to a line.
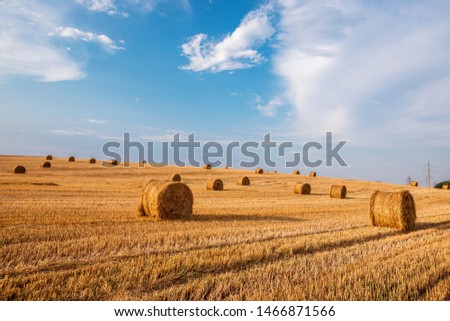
<point>445,186</point>
<point>114,162</point>
<point>302,189</point>
<point>414,183</point>
<point>207,166</point>
<point>243,180</point>
<point>46,165</point>
<point>338,191</point>
<point>259,171</point>
<point>144,161</point>
<point>296,172</point>
<point>214,185</point>
<point>92,160</point>
<point>312,174</point>
<point>226,167</point>
<point>275,172</point>
<point>174,178</point>
<point>393,209</point>
<point>166,200</point>
<point>49,157</point>
<point>19,169</point>
<point>71,159</point>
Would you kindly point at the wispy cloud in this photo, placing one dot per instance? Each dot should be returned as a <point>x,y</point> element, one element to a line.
<point>26,49</point>
<point>77,34</point>
<point>269,109</point>
<point>234,51</point>
<point>122,8</point>
<point>107,6</point>
<point>64,132</point>
<point>336,58</point>
<point>98,121</point>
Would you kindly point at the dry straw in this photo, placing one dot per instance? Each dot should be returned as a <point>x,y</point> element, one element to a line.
<point>302,189</point>
<point>445,186</point>
<point>413,183</point>
<point>259,171</point>
<point>207,166</point>
<point>175,178</point>
<point>312,174</point>
<point>92,160</point>
<point>243,180</point>
<point>296,172</point>
<point>49,157</point>
<point>71,159</point>
<point>338,191</point>
<point>214,185</point>
<point>19,169</point>
<point>166,200</point>
<point>46,165</point>
<point>393,209</point>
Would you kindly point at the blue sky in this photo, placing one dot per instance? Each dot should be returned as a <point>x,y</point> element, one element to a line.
<point>77,73</point>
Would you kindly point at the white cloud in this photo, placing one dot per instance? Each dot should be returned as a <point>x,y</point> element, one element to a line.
<point>107,6</point>
<point>25,48</point>
<point>270,109</point>
<point>64,132</point>
<point>335,58</point>
<point>235,50</point>
<point>98,121</point>
<point>77,34</point>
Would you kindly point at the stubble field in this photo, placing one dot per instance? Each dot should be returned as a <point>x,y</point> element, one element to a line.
<point>72,232</point>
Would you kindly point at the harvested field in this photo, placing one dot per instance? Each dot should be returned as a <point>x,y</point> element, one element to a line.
<point>72,233</point>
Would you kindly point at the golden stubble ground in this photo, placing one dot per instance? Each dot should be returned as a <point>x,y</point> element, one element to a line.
<point>72,232</point>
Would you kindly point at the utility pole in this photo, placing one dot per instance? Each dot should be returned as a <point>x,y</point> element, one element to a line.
<point>408,180</point>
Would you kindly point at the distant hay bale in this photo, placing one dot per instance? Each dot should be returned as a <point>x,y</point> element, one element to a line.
<point>144,161</point>
<point>226,167</point>
<point>445,186</point>
<point>259,171</point>
<point>214,185</point>
<point>302,189</point>
<point>312,174</point>
<point>19,169</point>
<point>71,159</point>
<point>243,180</point>
<point>338,191</point>
<point>296,172</point>
<point>414,183</point>
<point>393,209</point>
<point>46,165</point>
<point>49,157</point>
<point>207,166</point>
<point>275,172</point>
<point>166,200</point>
<point>114,162</point>
<point>92,160</point>
<point>174,178</point>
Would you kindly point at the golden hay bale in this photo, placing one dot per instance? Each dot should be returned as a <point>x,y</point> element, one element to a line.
<point>71,159</point>
<point>338,191</point>
<point>114,162</point>
<point>393,209</point>
<point>413,183</point>
<point>312,174</point>
<point>46,165</point>
<point>296,172</point>
<point>174,178</point>
<point>19,169</point>
<point>166,200</point>
<point>226,167</point>
<point>144,161</point>
<point>49,157</point>
<point>275,172</point>
<point>302,189</point>
<point>243,180</point>
<point>445,186</point>
<point>259,171</point>
<point>92,161</point>
<point>207,166</point>
<point>214,185</point>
